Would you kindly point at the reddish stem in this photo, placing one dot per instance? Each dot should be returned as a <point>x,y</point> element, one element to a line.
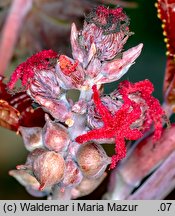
<point>140,162</point>
<point>11,30</point>
<point>148,155</point>
<point>160,184</point>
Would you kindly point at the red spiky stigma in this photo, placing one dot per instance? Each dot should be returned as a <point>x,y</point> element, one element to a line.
<point>116,13</point>
<point>66,65</point>
<point>109,20</point>
<point>26,70</point>
<point>118,125</point>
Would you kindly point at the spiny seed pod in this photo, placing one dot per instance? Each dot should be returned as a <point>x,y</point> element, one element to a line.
<point>72,175</point>
<point>55,136</point>
<point>32,137</point>
<point>92,160</point>
<point>49,169</point>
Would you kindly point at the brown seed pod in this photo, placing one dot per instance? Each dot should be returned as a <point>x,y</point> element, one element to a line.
<point>49,169</point>
<point>92,160</point>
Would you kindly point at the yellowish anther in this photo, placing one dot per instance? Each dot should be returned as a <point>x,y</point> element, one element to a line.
<point>159,15</point>
<point>163,25</point>
<point>167,45</point>
<point>3,101</point>
<point>164,20</point>
<point>167,53</point>
<point>165,40</point>
<point>17,132</point>
<point>156,4</point>
<point>69,122</point>
<point>164,33</point>
<point>32,110</point>
<point>58,61</point>
<point>85,88</point>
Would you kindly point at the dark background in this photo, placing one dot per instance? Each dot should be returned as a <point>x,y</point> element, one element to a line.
<point>150,65</point>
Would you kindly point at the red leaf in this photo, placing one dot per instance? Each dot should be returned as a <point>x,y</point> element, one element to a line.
<point>169,83</point>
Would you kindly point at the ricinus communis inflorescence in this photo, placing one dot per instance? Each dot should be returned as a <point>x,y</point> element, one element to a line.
<point>67,152</point>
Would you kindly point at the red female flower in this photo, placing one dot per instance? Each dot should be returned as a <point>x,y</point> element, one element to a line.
<point>118,125</point>
<point>26,70</point>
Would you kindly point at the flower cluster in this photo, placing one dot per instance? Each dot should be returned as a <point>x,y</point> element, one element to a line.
<point>57,164</point>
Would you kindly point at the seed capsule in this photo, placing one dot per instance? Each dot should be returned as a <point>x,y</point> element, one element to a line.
<point>32,137</point>
<point>92,160</point>
<point>49,169</point>
<point>55,136</point>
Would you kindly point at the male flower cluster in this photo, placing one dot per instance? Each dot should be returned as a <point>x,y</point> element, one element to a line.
<point>57,165</point>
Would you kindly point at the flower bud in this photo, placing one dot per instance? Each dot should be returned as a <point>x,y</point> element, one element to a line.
<point>73,148</point>
<point>32,137</point>
<point>45,83</point>
<point>113,70</point>
<point>45,89</point>
<point>70,72</point>
<point>80,107</point>
<point>92,160</point>
<point>106,28</point>
<point>59,109</point>
<point>49,169</point>
<point>55,136</point>
<point>72,175</point>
